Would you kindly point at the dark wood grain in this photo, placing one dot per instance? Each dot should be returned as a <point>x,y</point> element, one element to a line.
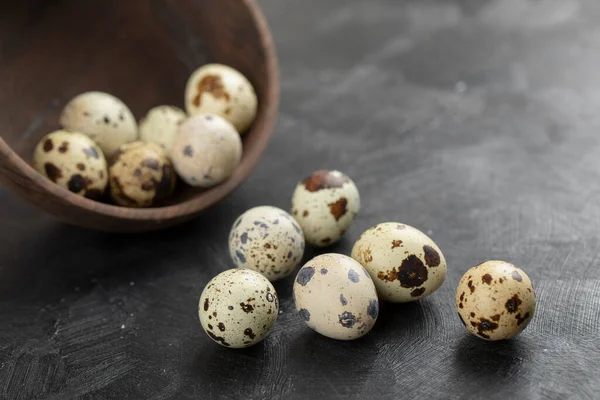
<point>141,51</point>
<point>475,121</point>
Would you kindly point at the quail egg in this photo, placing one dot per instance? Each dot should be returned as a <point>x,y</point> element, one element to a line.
<point>222,90</point>
<point>336,297</point>
<point>73,161</point>
<point>495,300</point>
<point>268,240</point>
<point>103,117</point>
<point>325,204</point>
<point>405,264</point>
<point>161,124</point>
<point>238,308</point>
<point>141,175</point>
<point>206,150</point>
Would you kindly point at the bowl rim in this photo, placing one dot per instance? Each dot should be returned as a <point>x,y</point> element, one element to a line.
<point>265,122</point>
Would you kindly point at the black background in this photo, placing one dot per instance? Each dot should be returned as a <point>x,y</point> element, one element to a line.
<point>476,121</point>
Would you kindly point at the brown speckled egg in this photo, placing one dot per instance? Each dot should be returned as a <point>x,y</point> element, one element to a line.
<point>495,300</point>
<point>221,90</point>
<point>238,308</point>
<point>268,240</point>
<point>141,175</point>
<point>102,117</point>
<point>325,204</point>
<point>206,150</point>
<point>73,161</point>
<point>336,297</point>
<point>161,124</point>
<point>405,264</point>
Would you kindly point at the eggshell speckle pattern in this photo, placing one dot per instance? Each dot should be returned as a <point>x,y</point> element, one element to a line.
<point>268,240</point>
<point>336,297</point>
<point>405,264</point>
<point>141,175</point>
<point>102,117</point>
<point>222,90</point>
<point>73,161</point>
<point>238,308</point>
<point>325,204</point>
<point>161,124</point>
<point>206,150</point>
<point>495,300</point>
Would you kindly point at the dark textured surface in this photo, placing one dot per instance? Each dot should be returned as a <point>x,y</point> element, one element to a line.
<point>476,121</point>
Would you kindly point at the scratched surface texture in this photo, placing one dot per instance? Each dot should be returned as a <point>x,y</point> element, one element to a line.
<point>475,120</point>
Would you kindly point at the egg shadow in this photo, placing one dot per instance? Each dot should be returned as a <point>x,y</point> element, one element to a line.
<point>477,357</point>
<point>403,319</point>
<point>333,360</point>
<point>59,258</point>
<point>237,373</point>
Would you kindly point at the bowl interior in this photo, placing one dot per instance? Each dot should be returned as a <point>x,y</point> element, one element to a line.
<point>140,51</point>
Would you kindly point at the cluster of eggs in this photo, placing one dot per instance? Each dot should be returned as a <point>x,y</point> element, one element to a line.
<point>337,295</point>
<point>101,145</point>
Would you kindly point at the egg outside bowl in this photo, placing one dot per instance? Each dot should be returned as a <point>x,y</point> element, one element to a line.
<point>140,51</point>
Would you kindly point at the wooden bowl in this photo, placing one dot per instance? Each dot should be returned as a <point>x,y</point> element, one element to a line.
<point>140,51</point>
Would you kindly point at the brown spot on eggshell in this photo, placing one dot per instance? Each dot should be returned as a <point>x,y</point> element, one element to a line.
<point>471,287</point>
<point>221,326</point>
<point>305,213</point>
<point>487,278</point>
<point>412,273</point>
<point>523,319</point>
<point>324,179</point>
<point>211,84</point>
<point>396,243</point>
<point>417,292</point>
<point>81,166</point>
<point>495,317</point>
<point>512,304</point>
<point>462,296</point>
<point>247,308</point>
<point>48,145</point>
<point>485,325</point>
<point>327,240</point>
<point>367,256</point>
<point>64,147</point>
<point>248,332</point>
<point>432,257</point>
<point>206,303</point>
<point>218,338</point>
<point>472,314</point>
<point>188,151</point>
<point>77,183</point>
<point>460,305</point>
<point>52,172</point>
<point>339,208</point>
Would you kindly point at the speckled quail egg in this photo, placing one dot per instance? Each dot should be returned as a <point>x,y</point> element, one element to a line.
<point>222,90</point>
<point>73,161</point>
<point>103,117</point>
<point>206,150</point>
<point>325,204</point>
<point>495,300</point>
<point>141,175</point>
<point>161,124</point>
<point>238,308</point>
<point>268,240</point>
<point>405,264</point>
<point>336,297</point>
